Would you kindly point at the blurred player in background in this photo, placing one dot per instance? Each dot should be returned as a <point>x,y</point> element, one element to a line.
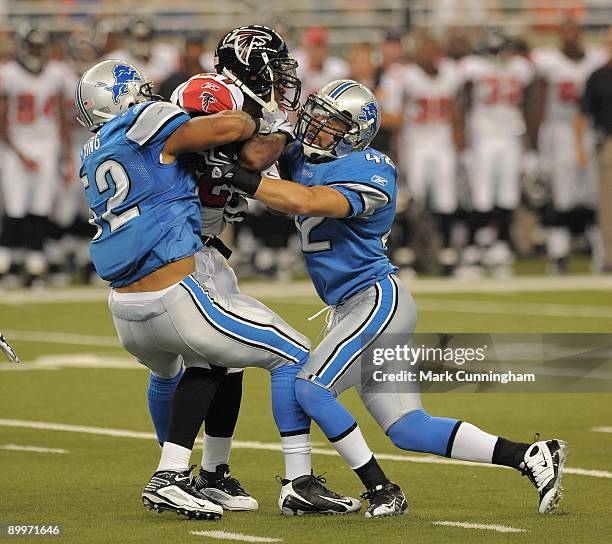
<point>316,67</point>
<point>495,83</point>
<point>35,134</point>
<point>420,100</point>
<point>344,203</point>
<point>562,72</point>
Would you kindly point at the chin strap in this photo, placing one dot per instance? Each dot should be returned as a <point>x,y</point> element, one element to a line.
<point>269,107</point>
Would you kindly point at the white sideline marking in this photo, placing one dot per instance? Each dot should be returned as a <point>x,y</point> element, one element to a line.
<point>235,536</point>
<point>270,446</point>
<point>62,338</point>
<point>601,429</point>
<point>464,525</point>
<point>304,288</point>
<point>515,308</point>
<point>75,360</point>
<point>16,447</point>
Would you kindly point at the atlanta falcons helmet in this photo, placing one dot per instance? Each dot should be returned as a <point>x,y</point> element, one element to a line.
<point>257,60</point>
<point>31,42</point>
<point>343,109</point>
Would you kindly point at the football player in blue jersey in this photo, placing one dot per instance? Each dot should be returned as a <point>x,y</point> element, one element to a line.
<point>147,215</point>
<point>344,198</point>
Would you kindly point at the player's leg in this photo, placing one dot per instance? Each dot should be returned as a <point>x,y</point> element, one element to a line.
<point>565,179</point>
<point>43,188</point>
<point>14,181</point>
<point>444,203</point>
<point>332,368</point>
<point>171,487</point>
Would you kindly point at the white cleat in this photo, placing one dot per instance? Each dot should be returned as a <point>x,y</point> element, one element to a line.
<point>174,491</point>
<point>222,489</point>
<point>544,461</point>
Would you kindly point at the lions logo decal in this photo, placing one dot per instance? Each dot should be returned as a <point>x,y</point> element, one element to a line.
<point>123,75</point>
<point>369,114</point>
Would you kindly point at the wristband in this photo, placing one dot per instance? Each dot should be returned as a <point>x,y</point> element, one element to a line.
<point>261,126</point>
<point>246,181</point>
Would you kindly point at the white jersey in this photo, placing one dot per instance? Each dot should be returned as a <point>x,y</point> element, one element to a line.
<point>565,78</point>
<point>497,94</point>
<point>32,102</point>
<point>163,61</point>
<point>312,80</point>
<point>423,99</point>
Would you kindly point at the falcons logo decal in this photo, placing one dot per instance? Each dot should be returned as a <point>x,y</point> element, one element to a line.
<point>207,100</point>
<point>245,40</point>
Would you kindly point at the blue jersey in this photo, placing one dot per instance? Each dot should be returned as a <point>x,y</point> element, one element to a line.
<point>146,213</point>
<point>345,256</point>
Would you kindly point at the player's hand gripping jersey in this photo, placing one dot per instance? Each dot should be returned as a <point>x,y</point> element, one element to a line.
<point>205,94</point>
<point>345,256</point>
<point>144,215</point>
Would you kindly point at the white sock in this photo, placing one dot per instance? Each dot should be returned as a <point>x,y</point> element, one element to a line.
<point>174,457</point>
<point>297,455</point>
<point>216,452</point>
<point>353,449</point>
<point>473,444</point>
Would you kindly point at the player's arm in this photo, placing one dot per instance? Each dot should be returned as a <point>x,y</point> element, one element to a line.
<point>457,123</point>
<point>201,133</point>
<point>262,151</point>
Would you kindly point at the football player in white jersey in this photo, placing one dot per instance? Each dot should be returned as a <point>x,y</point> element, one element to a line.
<point>35,134</point>
<point>562,72</point>
<point>421,101</point>
<point>157,59</point>
<point>494,96</point>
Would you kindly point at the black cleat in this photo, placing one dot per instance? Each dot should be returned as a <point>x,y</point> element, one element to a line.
<point>174,491</point>
<point>385,500</point>
<point>220,488</point>
<point>308,495</point>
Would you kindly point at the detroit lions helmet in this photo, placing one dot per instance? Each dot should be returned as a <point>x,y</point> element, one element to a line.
<point>346,111</point>
<point>108,89</point>
<point>257,60</point>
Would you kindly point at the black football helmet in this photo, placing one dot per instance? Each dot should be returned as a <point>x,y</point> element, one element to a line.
<point>257,59</point>
<point>31,42</point>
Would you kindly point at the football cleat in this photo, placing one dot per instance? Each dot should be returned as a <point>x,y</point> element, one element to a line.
<point>220,488</point>
<point>174,491</point>
<point>543,465</point>
<point>385,500</point>
<point>308,495</point>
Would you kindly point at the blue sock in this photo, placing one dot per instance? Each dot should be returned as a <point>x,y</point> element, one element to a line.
<point>160,393</point>
<point>418,431</point>
<point>322,406</point>
<point>288,414</point>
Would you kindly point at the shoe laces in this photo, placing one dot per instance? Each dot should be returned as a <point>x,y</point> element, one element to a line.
<point>369,493</point>
<point>226,482</point>
<point>320,481</point>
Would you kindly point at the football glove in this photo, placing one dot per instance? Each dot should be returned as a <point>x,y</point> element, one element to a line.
<point>8,350</point>
<point>279,122</point>
<point>235,209</point>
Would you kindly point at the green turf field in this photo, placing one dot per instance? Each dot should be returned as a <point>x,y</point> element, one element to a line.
<point>93,487</point>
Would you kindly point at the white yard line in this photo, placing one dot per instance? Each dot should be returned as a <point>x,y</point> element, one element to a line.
<point>601,429</point>
<point>304,288</point>
<point>269,446</point>
<point>75,360</point>
<point>223,535</point>
<point>61,338</point>
<point>35,449</point>
<point>464,525</point>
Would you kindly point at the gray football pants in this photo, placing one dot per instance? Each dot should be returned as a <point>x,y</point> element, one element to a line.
<point>379,317</point>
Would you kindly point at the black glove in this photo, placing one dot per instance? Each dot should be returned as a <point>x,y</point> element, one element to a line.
<point>234,175</point>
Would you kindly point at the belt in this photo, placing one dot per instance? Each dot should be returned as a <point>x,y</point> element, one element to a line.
<point>213,241</point>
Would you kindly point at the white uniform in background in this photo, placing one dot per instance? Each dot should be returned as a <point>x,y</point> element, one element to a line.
<point>313,80</point>
<point>495,128</point>
<point>571,186</point>
<point>33,126</point>
<point>163,61</point>
<point>427,151</point>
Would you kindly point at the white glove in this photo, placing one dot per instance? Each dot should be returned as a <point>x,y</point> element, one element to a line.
<point>235,209</point>
<point>530,164</point>
<point>279,122</point>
